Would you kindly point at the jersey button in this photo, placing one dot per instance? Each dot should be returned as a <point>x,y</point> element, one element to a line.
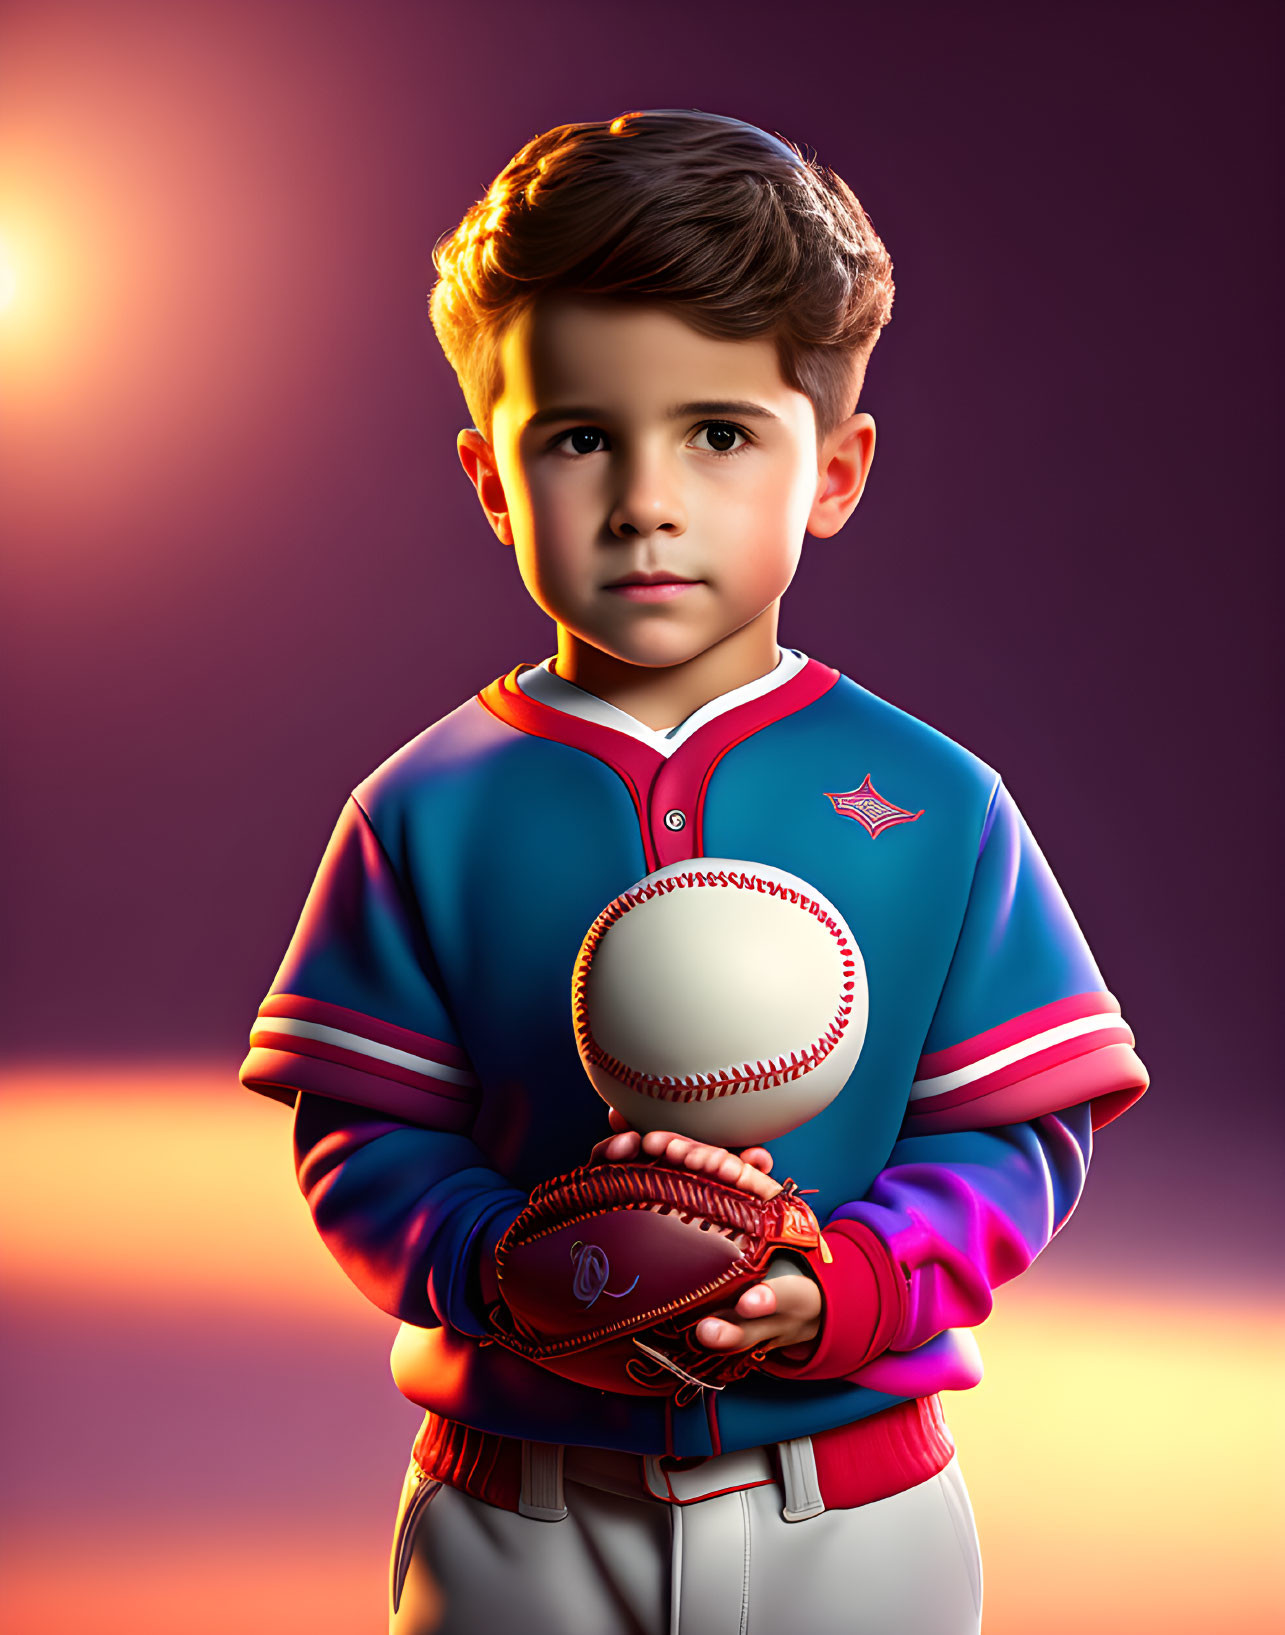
<point>674,819</point>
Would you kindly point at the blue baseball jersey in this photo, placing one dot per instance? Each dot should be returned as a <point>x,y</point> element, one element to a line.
<point>428,983</point>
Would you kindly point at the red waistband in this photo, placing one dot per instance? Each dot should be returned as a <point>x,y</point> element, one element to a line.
<point>870,1459</point>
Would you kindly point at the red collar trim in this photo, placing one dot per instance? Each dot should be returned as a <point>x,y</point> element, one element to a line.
<point>658,785</point>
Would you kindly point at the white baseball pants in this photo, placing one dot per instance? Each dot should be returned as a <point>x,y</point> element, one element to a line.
<point>726,1565</point>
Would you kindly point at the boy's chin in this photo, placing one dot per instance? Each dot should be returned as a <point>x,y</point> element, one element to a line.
<point>651,650</point>
<point>653,654</point>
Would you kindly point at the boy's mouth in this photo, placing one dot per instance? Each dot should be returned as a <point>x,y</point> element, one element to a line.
<point>650,587</point>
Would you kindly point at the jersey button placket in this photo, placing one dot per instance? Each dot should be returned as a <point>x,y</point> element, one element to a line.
<point>673,808</point>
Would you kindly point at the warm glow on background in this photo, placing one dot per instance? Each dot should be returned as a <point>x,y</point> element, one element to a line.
<point>167,1186</point>
<point>1122,1453</point>
<point>141,216</point>
<point>56,252</point>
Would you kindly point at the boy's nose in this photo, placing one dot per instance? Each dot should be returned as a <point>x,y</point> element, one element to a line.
<point>647,501</point>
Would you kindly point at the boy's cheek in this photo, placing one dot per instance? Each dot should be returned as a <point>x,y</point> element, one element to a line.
<point>554,524</point>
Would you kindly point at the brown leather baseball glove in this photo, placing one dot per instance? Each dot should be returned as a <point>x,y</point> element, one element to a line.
<point>605,1274</point>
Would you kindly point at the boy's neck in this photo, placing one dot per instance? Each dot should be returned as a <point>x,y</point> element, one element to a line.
<point>662,696</point>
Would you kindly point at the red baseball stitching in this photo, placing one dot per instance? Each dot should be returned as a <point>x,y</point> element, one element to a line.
<point>746,1077</point>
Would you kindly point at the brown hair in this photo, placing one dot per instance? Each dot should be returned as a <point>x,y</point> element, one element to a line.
<point>732,227</point>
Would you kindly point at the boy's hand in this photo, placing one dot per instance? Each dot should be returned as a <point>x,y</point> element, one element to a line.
<point>784,1310</point>
<point>748,1170</point>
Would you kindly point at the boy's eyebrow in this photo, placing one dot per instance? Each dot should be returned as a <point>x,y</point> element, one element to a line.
<point>680,411</point>
<point>746,409</point>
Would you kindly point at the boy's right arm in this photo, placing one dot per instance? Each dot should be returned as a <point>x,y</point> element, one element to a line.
<point>412,1215</point>
<point>356,1032</point>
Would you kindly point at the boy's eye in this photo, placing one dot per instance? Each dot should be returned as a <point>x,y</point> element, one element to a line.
<point>721,437</point>
<point>582,440</point>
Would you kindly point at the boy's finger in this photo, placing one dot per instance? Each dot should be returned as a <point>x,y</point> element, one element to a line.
<point>658,1144</point>
<point>728,1167</point>
<point>758,1301</point>
<point>734,1330</point>
<point>753,1180</point>
<point>717,1334</point>
<point>615,1148</point>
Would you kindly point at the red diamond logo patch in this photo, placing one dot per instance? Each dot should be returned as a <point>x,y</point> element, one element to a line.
<point>867,807</point>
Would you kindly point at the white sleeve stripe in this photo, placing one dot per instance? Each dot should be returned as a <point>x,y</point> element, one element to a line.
<point>364,1047</point>
<point>945,1082</point>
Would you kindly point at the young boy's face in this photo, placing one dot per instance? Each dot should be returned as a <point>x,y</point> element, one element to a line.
<point>655,483</point>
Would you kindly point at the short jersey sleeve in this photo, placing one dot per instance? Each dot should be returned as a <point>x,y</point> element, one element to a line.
<point>1024,1025</point>
<point>355,1012</point>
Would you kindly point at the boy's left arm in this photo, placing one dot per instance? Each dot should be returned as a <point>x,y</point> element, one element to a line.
<point>1026,1055</point>
<point>949,1219</point>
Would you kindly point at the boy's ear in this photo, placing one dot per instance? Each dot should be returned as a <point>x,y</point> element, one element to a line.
<point>478,459</point>
<point>843,464</point>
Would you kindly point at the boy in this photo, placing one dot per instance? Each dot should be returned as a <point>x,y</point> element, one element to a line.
<point>661,326</point>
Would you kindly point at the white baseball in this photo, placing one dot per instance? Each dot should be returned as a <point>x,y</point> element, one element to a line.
<point>721,999</point>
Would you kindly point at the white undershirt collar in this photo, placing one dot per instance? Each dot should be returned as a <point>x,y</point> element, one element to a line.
<point>545,686</point>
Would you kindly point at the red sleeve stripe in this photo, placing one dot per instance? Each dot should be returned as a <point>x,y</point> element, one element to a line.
<point>370,1028</point>
<point>382,1088</point>
<point>1086,1022</point>
<point>1093,1035</point>
<point>327,1045</point>
<point>1112,1078</point>
<point>1013,1032</point>
<point>333,1044</point>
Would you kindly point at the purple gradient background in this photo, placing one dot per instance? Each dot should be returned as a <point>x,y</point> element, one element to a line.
<point>243,566</point>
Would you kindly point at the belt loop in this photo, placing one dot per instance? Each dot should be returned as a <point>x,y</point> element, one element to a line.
<point>542,1497</point>
<point>799,1480</point>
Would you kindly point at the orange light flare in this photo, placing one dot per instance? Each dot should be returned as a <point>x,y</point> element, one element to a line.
<point>71,398</point>
<point>90,315</point>
<point>54,333</point>
<point>28,280</point>
<point>160,320</point>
